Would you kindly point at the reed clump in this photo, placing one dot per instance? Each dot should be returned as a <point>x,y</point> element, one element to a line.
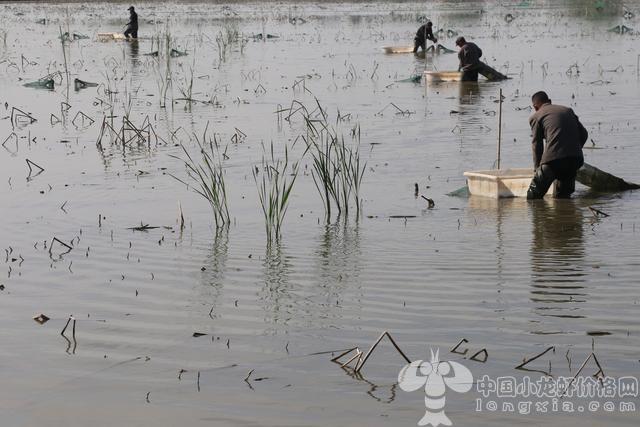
<point>207,173</point>
<point>274,184</point>
<point>338,169</point>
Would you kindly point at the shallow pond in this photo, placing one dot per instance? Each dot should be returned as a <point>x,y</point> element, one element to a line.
<point>205,327</point>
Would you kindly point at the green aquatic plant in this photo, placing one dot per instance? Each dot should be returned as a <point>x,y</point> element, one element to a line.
<point>337,167</point>
<point>274,189</point>
<point>207,173</point>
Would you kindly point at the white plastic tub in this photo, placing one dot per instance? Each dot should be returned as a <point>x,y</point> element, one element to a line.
<point>442,76</point>
<point>103,37</point>
<point>500,183</point>
<point>397,49</point>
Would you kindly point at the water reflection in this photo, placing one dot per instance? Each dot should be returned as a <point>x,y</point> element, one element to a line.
<point>215,267</point>
<point>276,294</point>
<point>557,252</point>
<point>471,118</point>
<point>338,258</point>
<point>469,93</point>
<point>376,391</point>
<point>134,52</point>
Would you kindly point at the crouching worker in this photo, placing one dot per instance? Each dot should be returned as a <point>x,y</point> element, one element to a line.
<point>562,156</point>
<point>423,34</point>
<point>469,56</point>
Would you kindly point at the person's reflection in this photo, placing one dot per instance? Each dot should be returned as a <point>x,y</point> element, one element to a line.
<point>134,52</point>
<point>471,119</point>
<point>469,93</point>
<point>557,251</point>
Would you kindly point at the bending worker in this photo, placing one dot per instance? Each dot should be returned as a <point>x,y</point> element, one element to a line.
<point>424,33</point>
<point>469,57</point>
<point>562,156</point>
<point>132,26</point>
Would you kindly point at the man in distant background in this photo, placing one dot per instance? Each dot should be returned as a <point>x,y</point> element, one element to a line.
<point>469,57</point>
<point>562,156</point>
<point>423,34</point>
<point>132,26</point>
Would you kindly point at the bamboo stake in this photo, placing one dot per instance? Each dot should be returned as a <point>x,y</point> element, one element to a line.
<point>499,129</point>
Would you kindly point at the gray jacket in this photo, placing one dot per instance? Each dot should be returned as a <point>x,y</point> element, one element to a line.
<point>561,129</point>
<point>469,56</point>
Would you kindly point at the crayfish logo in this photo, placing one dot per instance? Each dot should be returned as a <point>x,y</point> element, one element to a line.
<point>435,377</point>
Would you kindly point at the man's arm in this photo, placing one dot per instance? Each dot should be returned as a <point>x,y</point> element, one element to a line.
<point>431,37</point>
<point>584,135</point>
<point>537,144</point>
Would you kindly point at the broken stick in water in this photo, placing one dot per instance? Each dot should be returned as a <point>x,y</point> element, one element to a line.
<point>360,365</point>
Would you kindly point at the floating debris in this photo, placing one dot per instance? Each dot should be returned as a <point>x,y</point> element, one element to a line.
<point>66,37</point>
<point>175,53</point>
<point>41,84</point>
<point>455,348</point>
<point>358,355</point>
<point>81,84</point>
<point>621,29</point>
<point>537,356</point>
<point>143,227</point>
<point>480,356</point>
<point>262,36</point>
<point>599,373</point>
<point>413,79</point>
<point>598,213</point>
<point>41,318</point>
<point>430,202</point>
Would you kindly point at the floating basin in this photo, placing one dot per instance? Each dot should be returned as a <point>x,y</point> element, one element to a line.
<point>110,36</point>
<point>442,76</point>
<point>500,183</point>
<point>397,49</point>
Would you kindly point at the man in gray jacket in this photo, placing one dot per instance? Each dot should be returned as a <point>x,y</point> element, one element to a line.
<point>469,57</point>
<point>562,156</point>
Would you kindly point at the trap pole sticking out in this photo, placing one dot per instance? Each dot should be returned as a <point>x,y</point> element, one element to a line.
<point>499,128</point>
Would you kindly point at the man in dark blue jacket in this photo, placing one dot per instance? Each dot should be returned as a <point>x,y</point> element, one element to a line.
<point>423,34</point>
<point>132,26</point>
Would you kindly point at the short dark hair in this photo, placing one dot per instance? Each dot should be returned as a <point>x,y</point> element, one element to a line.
<point>429,23</point>
<point>540,97</point>
<point>460,41</point>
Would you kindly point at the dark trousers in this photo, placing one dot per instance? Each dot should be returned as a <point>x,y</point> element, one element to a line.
<point>470,75</point>
<point>562,171</point>
<point>131,32</point>
<point>417,43</point>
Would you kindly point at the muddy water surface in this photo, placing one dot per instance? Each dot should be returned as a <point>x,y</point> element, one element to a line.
<point>509,276</point>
